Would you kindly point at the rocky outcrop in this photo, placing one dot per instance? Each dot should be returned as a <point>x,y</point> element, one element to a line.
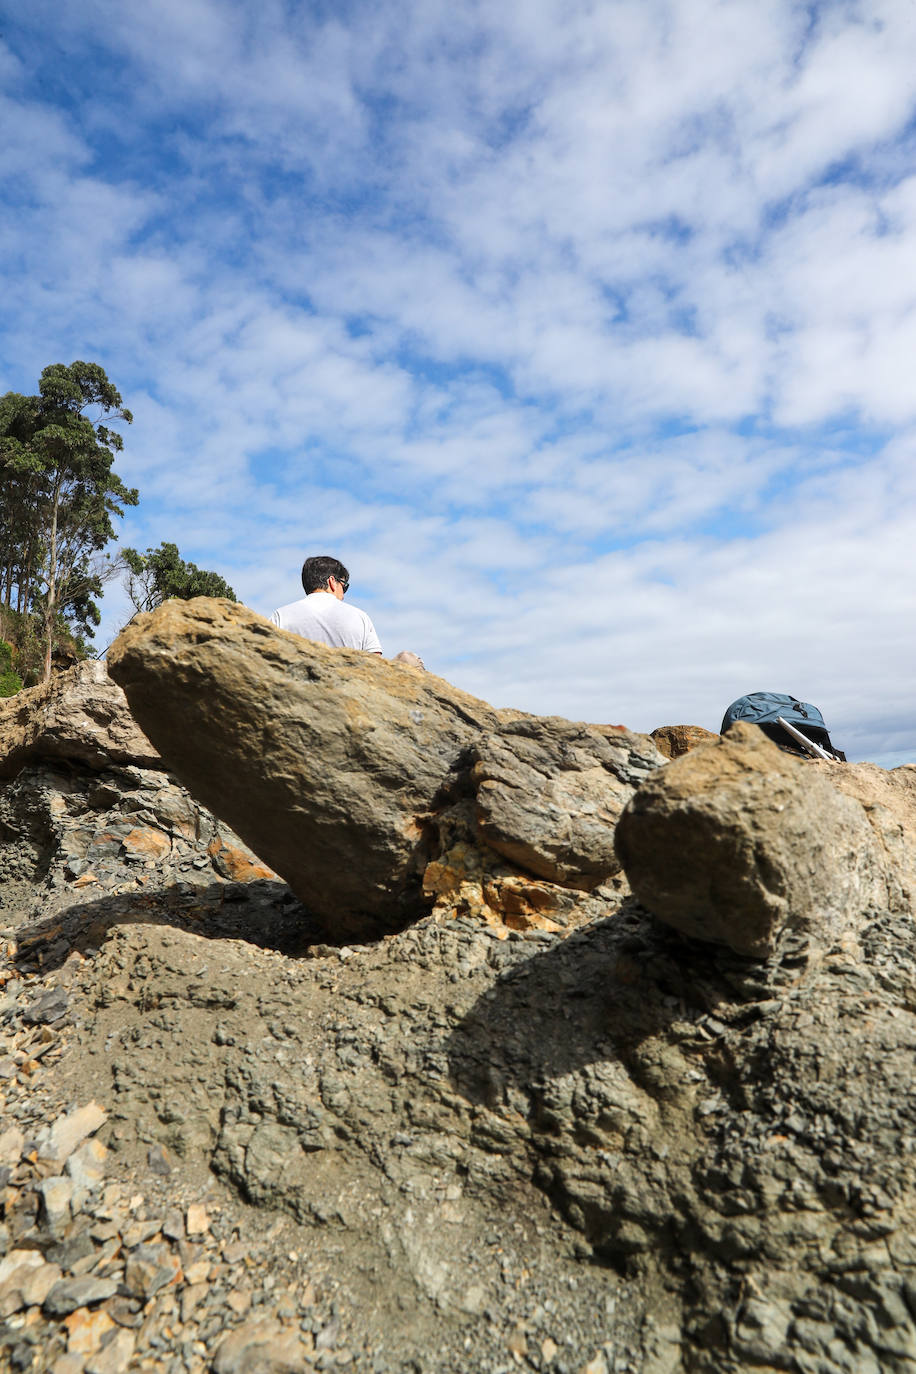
<point>614,1144</point>
<point>675,740</point>
<point>340,770</point>
<point>590,1144</point>
<point>81,716</point>
<point>738,841</point>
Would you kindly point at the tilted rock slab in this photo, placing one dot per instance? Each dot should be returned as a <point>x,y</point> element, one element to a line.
<point>325,761</point>
<point>737,841</point>
<point>333,765</point>
<point>80,715</point>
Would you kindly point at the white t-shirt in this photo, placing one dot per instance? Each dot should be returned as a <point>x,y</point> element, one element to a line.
<point>321,616</point>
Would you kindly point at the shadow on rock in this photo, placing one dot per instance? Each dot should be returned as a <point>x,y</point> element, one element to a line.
<point>741,1129</point>
<point>598,995</point>
<point>262,913</point>
<point>602,1055</point>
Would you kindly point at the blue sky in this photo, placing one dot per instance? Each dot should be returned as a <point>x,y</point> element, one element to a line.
<point>582,332</point>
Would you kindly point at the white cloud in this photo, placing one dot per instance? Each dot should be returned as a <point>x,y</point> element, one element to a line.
<point>581,331</point>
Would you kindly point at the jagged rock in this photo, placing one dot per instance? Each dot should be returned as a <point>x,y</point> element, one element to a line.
<point>550,791</point>
<point>69,1131</point>
<point>77,829</point>
<point>675,740</point>
<point>80,715</point>
<point>70,1294</point>
<point>737,841</point>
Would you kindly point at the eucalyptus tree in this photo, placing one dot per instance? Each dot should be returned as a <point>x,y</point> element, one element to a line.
<point>58,496</point>
<point>162,573</point>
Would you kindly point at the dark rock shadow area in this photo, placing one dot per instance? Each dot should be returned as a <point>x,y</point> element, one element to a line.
<point>262,913</point>
<point>600,994</point>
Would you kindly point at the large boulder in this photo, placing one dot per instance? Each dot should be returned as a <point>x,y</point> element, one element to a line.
<point>80,715</point>
<point>738,840</point>
<point>328,762</point>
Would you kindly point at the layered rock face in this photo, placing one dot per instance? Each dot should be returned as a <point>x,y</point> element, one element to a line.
<point>590,1142</point>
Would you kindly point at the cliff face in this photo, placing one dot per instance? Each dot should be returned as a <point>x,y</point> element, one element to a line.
<point>488,1139</point>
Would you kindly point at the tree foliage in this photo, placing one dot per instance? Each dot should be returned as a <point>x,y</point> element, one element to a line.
<point>58,496</point>
<point>162,573</point>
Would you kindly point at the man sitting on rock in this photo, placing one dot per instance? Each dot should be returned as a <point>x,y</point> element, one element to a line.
<point>322,614</point>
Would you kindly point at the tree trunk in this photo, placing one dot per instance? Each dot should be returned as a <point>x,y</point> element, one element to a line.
<point>51,600</point>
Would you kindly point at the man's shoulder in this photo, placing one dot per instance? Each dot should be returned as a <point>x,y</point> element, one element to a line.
<point>290,609</point>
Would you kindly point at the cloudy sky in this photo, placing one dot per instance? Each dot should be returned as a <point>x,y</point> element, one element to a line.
<point>583,332</point>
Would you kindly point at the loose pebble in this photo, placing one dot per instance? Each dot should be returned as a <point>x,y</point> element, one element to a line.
<point>197,1222</point>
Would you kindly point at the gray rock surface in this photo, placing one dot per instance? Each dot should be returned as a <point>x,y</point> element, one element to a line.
<point>69,1294</point>
<point>550,792</point>
<point>737,841</point>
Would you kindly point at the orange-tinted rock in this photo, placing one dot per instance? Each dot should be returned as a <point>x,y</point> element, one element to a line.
<point>146,843</point>
<point>237,864</point>
<point>85,1329</point>
<point>468,879</point>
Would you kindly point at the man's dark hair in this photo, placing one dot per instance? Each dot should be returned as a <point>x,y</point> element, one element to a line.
<point>316,571</point>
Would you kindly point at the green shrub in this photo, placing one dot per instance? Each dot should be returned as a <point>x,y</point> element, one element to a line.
<point>10,682</point>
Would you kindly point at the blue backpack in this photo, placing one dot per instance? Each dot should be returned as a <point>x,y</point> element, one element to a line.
<point>765,708</point>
